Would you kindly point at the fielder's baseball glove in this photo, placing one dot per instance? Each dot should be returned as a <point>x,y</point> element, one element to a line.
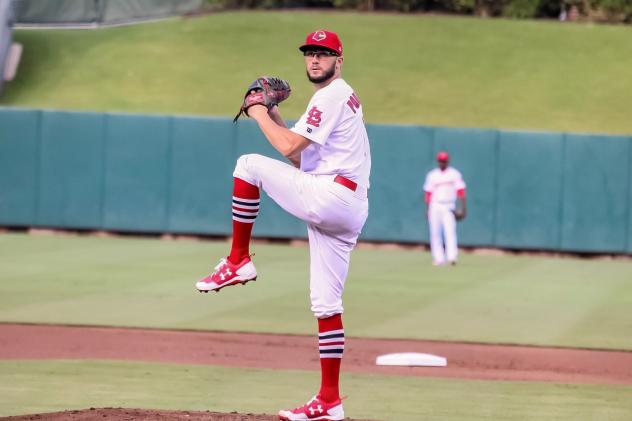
<point>459,214</point>
<point>268,91</point>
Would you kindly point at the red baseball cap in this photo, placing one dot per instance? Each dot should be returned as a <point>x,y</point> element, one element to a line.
<point>323,39</point>
<point>443,156</point>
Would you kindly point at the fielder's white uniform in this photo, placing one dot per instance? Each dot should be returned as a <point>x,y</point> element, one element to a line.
<point>335,214</point>
<point>443,187</point>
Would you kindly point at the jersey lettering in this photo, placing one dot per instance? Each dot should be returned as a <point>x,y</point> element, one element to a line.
<point>354,103</point>
<point>314,117</point>
<point>339,140</point>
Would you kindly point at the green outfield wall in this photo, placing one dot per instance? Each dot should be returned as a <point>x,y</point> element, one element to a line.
<point>154,173</point>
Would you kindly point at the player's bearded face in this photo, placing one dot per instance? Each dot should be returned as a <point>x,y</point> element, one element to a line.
<point>321,72</point>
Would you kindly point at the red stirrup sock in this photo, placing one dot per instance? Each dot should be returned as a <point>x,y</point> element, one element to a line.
<point>245,211</point>
<point>331,343</point>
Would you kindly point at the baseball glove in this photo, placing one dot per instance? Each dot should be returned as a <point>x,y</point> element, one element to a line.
<point>459,214</point>
<point>267,91</point>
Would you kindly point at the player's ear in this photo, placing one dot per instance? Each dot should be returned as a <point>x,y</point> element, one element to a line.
<point>339,61</point>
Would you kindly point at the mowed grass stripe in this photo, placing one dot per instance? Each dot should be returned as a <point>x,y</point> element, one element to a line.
<point>535,302</point>
<point>390,293</point>
<point>434,70</point>
<point>45,386</point>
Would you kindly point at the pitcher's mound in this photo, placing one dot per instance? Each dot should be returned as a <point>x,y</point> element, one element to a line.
<point>120,414</point>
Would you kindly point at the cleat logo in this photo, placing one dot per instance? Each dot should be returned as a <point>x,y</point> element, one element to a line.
<point>314,410</point>
<point>224,275</point>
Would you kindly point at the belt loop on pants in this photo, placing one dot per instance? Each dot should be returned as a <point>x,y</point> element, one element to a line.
<point>351,185</point>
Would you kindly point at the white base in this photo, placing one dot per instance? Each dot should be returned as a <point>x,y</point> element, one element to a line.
<point>410,359</point>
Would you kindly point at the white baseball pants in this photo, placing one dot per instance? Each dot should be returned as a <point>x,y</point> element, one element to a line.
<point>442,232</point>
<point>334,215</point>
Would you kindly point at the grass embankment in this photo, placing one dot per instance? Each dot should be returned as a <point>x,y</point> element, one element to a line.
<point>433,70</point>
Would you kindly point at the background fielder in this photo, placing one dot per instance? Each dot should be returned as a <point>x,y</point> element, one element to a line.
<point>326,188</point>
<point>443,186</point>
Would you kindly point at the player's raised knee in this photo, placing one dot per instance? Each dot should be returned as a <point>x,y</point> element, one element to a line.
<point>244,160</point>
<point>245,165</point>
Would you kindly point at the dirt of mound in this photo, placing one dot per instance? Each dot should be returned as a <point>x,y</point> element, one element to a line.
<point>293,352</point>
<point>124,414</point>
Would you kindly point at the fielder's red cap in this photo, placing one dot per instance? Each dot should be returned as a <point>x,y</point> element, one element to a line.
<point>323,39</point>
<point>443,156</point>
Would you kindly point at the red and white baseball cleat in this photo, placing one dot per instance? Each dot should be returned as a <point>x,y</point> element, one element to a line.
<point>227,274</point>
<point>315,409</point>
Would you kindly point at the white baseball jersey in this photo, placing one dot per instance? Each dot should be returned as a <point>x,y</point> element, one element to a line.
<point>444,185</point>
<point>334,213</point>
<point>334,123</point>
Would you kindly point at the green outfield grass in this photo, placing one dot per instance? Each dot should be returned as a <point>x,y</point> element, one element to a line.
<point>46,386</point>
<point>434,70</point>
<point>390,293</point>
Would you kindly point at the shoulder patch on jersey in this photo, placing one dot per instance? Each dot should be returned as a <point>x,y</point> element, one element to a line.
<point>314,116</point>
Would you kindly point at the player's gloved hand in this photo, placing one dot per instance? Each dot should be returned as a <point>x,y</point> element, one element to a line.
<point>459,214</point>
<point>266,91</point>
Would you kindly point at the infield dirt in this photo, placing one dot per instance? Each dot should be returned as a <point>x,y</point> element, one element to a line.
<point>294,352</point>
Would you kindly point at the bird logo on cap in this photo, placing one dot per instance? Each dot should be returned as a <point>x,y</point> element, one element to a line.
<point>319,36</point>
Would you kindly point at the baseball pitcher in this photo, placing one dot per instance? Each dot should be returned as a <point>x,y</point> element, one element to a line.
<point>443,186</point>
<point>326,187</point>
